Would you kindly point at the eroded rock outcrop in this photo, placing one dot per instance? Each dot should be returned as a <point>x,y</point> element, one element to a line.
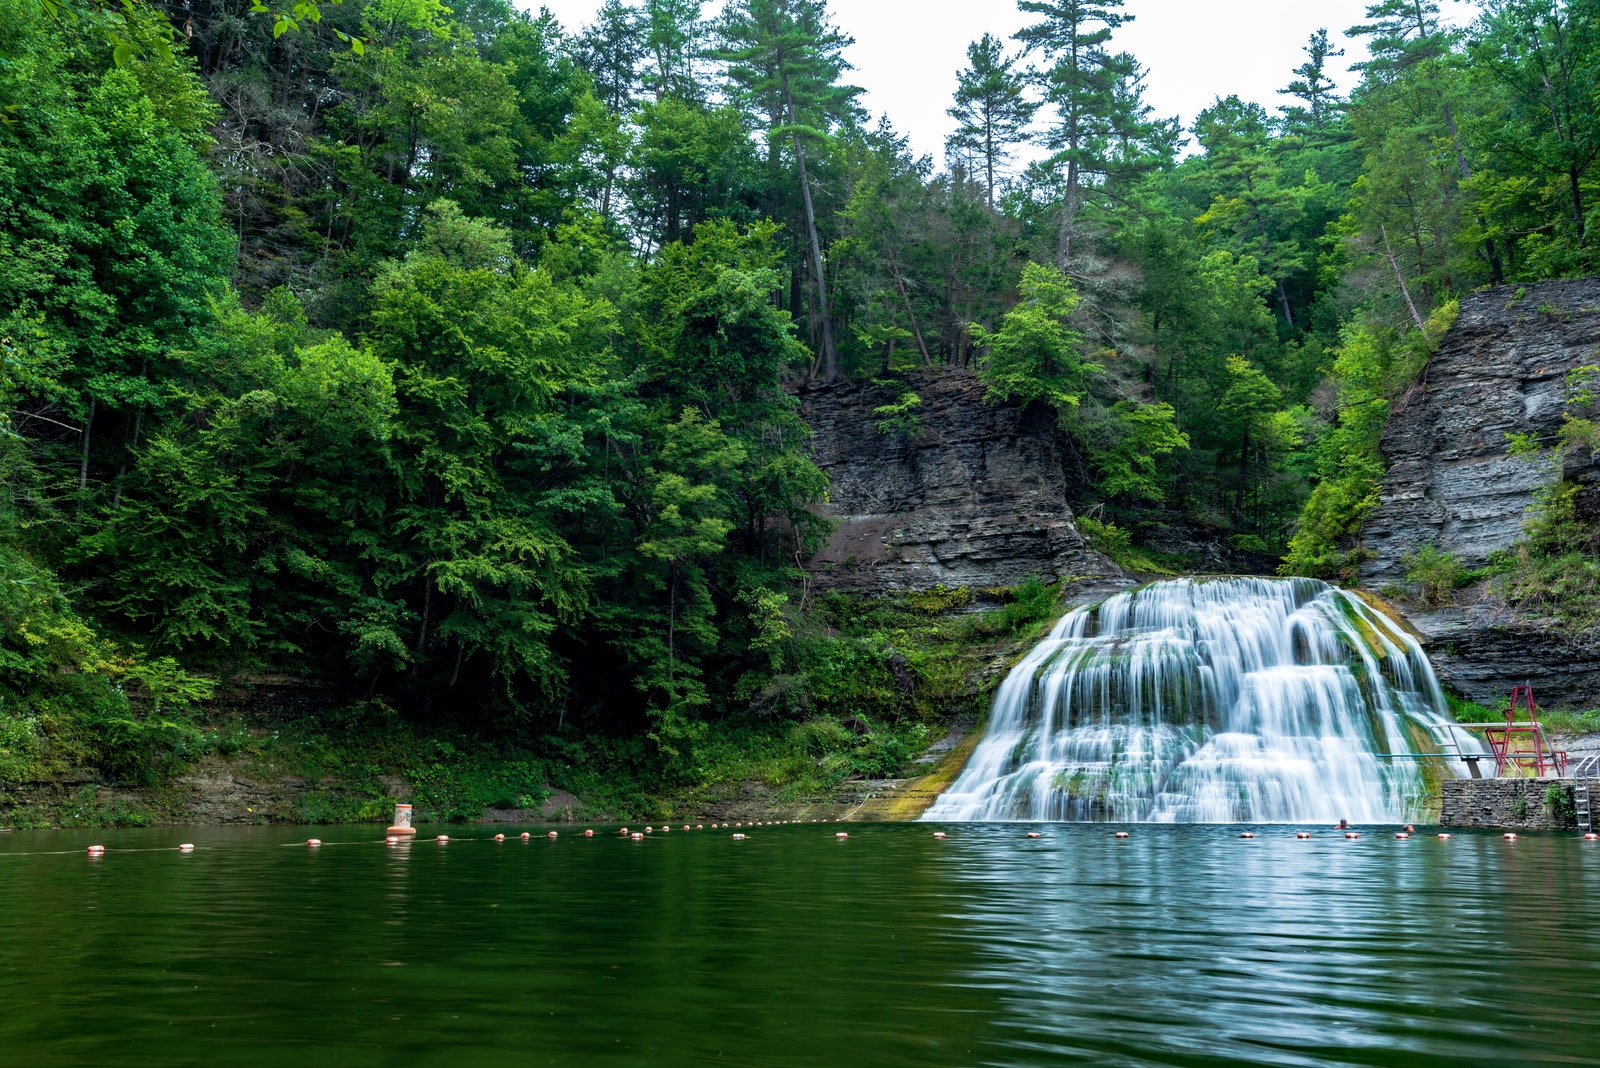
<point>1452,480</point>
<point>1453,483</point>
<point>1482,650</point>
<point>977,496</point>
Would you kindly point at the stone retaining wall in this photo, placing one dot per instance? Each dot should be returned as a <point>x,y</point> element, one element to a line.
<point>1513,804</point>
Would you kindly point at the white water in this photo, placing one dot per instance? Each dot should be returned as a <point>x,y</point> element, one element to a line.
<point>1212,701</point>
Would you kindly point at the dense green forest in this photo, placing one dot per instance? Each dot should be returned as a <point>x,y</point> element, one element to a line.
<point>454,355</point>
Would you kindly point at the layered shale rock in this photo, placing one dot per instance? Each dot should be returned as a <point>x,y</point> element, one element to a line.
<point>1453,483</point>
<point>1482,650</point>
<point>1452,480</point>
<point>977,496</point>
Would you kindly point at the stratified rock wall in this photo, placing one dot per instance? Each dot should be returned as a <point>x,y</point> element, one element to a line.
<point>1482,650</point>
<point>1452,481</point>
<point>976,497</point>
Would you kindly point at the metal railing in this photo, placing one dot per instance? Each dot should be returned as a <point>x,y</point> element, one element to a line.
<point>1586,768</point>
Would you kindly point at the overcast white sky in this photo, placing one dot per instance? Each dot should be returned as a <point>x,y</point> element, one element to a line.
<point>907,52</point>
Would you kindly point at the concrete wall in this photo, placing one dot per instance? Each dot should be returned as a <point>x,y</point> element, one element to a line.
<point>1512,804</point>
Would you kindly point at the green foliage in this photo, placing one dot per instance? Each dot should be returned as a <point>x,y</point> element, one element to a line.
<point>939,600</point>
<point>1372,368</point>
<point>1433,574</point>
<point>439,351</point>
<point>900,418</point>
<point>1136,436</point>
<point>1559,800</point>
<point>1035,355</point>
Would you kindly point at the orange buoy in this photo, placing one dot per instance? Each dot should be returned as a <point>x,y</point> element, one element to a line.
<point>1302,834</point>
<point>526,836</point>
<point>1444,836</point>
<point>499,838</point>
<point>402,821</point>
<point>1247,834</point>
<point>552,834</point>
<point>1510,837</point>
<point>738,837</point>
<point>938,834</point>
<point>1351,834</point>
<point>97,849</point>
<point>699,826</point>
<point>1591,837</point>
<point>686,826</point>
<point>1122,834</point>
<point>638,836</point>
<point>588,834</point>
<point>187,847</point>
<point>313,842</point>
<point>442,839</point>
<point>1034,834</point>
<point>841,834</point>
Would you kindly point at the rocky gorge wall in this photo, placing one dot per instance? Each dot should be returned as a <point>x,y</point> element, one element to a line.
<point>977,496</point>
<point>1453,483</point>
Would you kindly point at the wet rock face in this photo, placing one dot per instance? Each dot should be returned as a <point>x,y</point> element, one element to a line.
<point>1451,478</point>
<point>976,497</point>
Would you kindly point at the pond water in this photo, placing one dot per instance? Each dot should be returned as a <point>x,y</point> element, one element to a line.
<point>1176,946</point>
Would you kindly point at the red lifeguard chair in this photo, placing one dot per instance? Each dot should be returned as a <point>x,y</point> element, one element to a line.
<point>1521,750</point>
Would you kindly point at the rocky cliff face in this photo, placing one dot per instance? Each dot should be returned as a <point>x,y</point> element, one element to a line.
<point>977,496</point>
<point>1482,650</point>
<point>1452,481</point>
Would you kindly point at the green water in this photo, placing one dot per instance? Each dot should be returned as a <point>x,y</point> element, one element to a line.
<point>1177,946</point>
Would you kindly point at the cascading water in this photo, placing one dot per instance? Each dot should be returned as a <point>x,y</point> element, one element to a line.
<point>1213,701</point>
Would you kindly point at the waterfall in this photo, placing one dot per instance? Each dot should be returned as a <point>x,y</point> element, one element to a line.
<point>1213,701</point>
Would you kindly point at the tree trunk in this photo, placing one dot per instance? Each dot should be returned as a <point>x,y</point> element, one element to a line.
<point>83,463</point>
<point>1415,317</point>
<point>916,331</point>
<point>1069,215</point>
<point>1577,203</point>
<point>988,150</point>
<point>830,358</point>
<point>1244,468</point>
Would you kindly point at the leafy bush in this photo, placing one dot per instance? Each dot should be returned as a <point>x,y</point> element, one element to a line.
<point>1558,799</point>
<point>1434,574</point>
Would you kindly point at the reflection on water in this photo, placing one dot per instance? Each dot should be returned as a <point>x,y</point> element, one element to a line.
<point>1178,946</point>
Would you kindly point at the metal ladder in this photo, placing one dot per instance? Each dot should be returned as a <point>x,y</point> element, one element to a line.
<point>1582,772</point>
